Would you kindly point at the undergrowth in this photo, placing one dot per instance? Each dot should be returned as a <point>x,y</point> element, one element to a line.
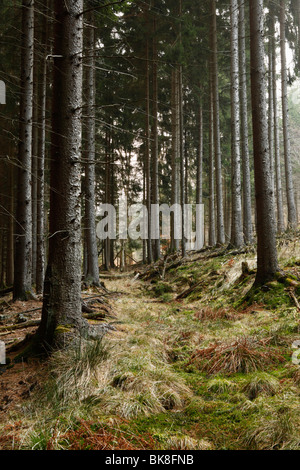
<point>210,370</point>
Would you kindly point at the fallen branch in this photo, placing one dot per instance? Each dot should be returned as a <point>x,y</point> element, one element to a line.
<point>292,294</point>
<point>5,330</point>
<point>19,326</point>
<point>187,292</point>
<point>117,276</point>
<point>6,291</point>
<point>30,311</point>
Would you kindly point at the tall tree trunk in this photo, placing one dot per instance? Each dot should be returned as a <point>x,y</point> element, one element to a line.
<point>175,152</point>
<point>279,196</point>
<point>23,251</point>
<point>267,264</point>
<point>216,120</point>
<point>199,166</point>
<point>147,145</point>
<point>298,21</point>
<point>61,314</point>
<point>236,230</point>
<point>181,141</point>
<point>40,248</point>
<point>112,196</point>
<point>247,212</point>
<point>11,226</point>
<point>34,158</point>
<point>155,191</point>
<point>144,203</point>
<point>292,216</point>
<point>3,225</point>
<point>270,107</point>
<point>211,184</point>
<point>182,163</point>
<point>106,242</point>
<point>228,208</point>
<point>92,266</point>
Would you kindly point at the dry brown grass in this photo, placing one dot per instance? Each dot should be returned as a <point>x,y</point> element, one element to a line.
<point>245,354</point>
<point>188,443</point>
<point>88,436</point>
<point>207,313</point>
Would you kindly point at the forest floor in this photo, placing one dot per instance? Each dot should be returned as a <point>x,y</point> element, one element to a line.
<point>196,360</point>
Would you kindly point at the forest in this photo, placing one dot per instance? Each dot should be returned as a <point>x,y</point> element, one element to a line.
<point>149,226</point>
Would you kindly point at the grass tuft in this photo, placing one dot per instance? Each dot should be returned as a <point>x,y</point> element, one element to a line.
<point>277,431</point>
<point>207,313</point>
<point>245,354</point>
<point>221,385</point>
<point>187,443</point>
<point>261,383</point>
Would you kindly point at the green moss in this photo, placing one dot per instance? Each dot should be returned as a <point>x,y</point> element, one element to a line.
<point>166,297</point>
<point>272,295</point>
<point>260,383</point>
<point>61,329</point>
<point>161,288</point>
<point>195,407</point>
<point>291,262</point>
<point>220,385</point>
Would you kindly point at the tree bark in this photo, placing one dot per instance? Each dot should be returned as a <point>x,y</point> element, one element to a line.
<point>175,151</point>
<point>236,230</point>
<point>11,226</point>
<point>147,144</point>
<point>247,212</point>
<point>199,166</point>
<point>267,263</point>
<point>182,163</point>
<point>61,314</point>
<point>279,196</point>
<point>23,246</point>
<point>155,190</point>
<point>292,215</point>
<point>211,184</point>
<point>216,121</point>
<point>92,266</point>
<point>34,157</point>
<point>40,248</point>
